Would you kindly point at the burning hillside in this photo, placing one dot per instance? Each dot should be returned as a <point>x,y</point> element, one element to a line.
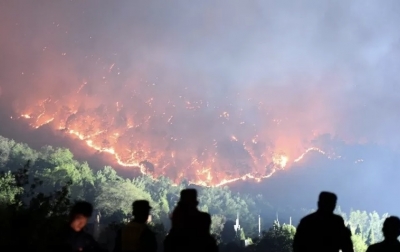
<point>211,93</point>
<point>206,143</point>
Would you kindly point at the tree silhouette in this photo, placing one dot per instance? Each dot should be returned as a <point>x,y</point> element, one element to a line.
<point>358,231</point>
<point>31,218</point>
<point>370,238</point>
<point>228,233</point>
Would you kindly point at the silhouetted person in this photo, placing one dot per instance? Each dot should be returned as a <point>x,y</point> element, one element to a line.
<point>73,237</point>
<point>185,214</point>
<point>323,230</point>
<point>136,235</point>
<point>391,231</point>
<point>190,229</point>
<point>208,241</point>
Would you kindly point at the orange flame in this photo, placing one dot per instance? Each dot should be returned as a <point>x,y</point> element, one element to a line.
<point>148,136</point>
<point>106,140</point>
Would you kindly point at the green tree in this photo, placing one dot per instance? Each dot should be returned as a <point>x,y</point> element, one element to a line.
<point>118,195</point>
<point>358,243</point>
<point>8,189</point>
<point>217,224</point>
<point>279,238</point>
<point>107,174</point>
<point>242,235</point>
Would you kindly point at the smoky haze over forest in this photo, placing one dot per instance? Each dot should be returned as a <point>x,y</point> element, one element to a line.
<point>287,75</point>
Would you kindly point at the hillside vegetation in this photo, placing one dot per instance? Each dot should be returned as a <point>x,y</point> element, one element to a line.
<point>49,179</point>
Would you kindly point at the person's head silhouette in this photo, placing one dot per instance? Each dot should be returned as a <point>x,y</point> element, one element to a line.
<point>391,228</point>
<point>327,202</point>
<point>80,212</point>
<point>188,198</point>
<point>141,210</point>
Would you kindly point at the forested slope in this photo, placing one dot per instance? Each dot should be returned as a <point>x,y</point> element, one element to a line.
<point>112,194</point>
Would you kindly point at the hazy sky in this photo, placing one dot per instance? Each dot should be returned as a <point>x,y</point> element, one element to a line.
<point>285,71</point>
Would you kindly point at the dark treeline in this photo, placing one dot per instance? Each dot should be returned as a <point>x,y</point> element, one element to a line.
<point>38,187</point>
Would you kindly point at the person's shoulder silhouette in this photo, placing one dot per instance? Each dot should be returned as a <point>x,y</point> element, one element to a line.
<point>185,214</point>
<point>391,231</point>
<point>136,235</point>
<point>326,206</point>
<point>206,241</point>
<point>204,222</point>
<point>190,227</point>
<point>323,230</point>
<point>73,236</point>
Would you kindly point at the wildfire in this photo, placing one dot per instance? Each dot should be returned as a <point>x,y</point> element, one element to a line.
<point>155,163</point>
<point>307,151</point>
<point>174,135</point>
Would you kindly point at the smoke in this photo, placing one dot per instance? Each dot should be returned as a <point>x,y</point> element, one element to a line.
<point>208,88</point>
